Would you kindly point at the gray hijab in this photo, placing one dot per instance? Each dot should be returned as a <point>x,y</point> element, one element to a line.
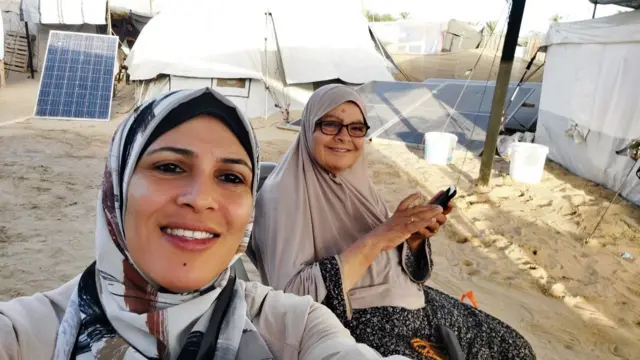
<point>304,214</point>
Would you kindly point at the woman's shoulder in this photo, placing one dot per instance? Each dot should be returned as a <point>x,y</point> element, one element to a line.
<point>281,318</point>
<point>29,324</point>
<point>296,327</point>
<point>261,299</point>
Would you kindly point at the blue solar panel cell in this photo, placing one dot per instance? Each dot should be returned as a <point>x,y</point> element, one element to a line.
<point>77,78</point>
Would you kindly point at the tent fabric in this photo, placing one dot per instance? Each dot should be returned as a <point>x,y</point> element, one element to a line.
<point>634,4</point>
<point>235,43</point>
<point>146,8</point>
<point>341,49</point>
<point>410,36</point>
<point>30,11</point>
<point>590,84</point>
<point>234,39</point>
<point>620,28</point>
<point>594,160</point>
<point>595,85</point>
<point>69,12</point>
<point>461,36</point>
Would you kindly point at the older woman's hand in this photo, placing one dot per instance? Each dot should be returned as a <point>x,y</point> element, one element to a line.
<point>405,221</point>
<point>418,237</point>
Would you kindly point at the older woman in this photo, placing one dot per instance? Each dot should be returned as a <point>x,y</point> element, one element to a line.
<point>321,229</point>
<point>177,195</point>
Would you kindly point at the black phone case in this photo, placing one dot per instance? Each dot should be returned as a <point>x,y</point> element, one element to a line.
<point>444,198</point>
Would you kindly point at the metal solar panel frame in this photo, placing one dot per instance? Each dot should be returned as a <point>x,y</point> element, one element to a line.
<point>44,64</point>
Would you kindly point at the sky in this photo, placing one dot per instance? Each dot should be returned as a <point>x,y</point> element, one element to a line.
<point>536,13</point>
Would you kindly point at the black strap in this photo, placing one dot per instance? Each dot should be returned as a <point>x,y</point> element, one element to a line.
<point>210,338</point>
<point>451,343</point>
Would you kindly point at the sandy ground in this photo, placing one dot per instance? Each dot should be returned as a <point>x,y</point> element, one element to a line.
<point>522,250</point>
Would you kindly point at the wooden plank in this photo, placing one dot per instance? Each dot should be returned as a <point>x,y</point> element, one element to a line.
<point>3,79</point>
<point>11,53</point>
<point>15,58</point>
<point>16,50</point>
<point>13,42</point>
<point>20,64</point>
<point>15,68</point>
<point>20,35</point>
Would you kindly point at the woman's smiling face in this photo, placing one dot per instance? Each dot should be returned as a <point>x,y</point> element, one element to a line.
<point>338,152</point>
<point>188,203</point>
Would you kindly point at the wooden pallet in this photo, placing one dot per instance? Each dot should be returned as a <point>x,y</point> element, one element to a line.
<point>3,79</point>
<point>16,54</point>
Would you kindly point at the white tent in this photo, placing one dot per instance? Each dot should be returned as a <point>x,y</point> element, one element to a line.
<point>411,36</point>
<point>146,8</point>
<point>43,16</point>
<point>265,55</point>
<point>589,106</point>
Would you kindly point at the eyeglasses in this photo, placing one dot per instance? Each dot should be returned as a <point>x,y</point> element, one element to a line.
<point>331,127</point>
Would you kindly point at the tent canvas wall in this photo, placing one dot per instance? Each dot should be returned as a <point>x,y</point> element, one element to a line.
<point>265,55</point>
<point>590,84</point>
<point>420,37</point>
<point>410,36</point>
<point>461,36</point>
<point>43,16</point>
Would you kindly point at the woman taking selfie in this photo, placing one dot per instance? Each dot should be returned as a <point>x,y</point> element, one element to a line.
<point>177,195</point>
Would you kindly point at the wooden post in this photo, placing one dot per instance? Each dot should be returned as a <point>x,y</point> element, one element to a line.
<point>3,80</point>
<point>501,89</point>
<point>108,18</point>
<point>29,52</point>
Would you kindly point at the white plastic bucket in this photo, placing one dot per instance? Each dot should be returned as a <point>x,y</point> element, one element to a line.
<point>439,147</point>
<point>527,162</point>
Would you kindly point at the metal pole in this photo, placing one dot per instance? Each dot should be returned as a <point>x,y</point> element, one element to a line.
<point>500,94</point>
<point>108,18</point>
<point>266,65</point>
<point>595,6</point>
<point>29,52</point>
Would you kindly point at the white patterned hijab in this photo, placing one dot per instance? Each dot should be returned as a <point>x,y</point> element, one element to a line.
<point>117,312</point>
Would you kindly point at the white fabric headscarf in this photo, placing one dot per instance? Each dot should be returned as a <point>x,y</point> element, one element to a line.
<point>117,312</point>
<point>304,214</point>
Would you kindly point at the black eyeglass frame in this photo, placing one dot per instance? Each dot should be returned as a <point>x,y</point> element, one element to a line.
<point>340,126</point>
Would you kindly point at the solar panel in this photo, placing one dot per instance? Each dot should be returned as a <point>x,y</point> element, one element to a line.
<point>77,77</point>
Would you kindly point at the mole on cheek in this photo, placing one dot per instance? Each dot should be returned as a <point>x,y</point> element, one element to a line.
<point>185,264</point>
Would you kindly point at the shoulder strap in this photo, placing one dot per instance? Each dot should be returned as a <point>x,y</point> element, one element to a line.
<point>210,338</point>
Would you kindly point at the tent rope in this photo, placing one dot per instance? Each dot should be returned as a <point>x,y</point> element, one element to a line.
<point>472,71</point>
<point>282,104</point>
<point>611,202</point>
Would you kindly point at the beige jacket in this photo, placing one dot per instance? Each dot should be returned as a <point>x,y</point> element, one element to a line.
<point>293,327</point>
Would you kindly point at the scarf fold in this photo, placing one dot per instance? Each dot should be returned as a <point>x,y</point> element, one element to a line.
<point>117,312</point>
<point>304,214</point>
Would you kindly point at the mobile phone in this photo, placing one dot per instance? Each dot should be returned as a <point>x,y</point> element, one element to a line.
<point>445,197</point>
